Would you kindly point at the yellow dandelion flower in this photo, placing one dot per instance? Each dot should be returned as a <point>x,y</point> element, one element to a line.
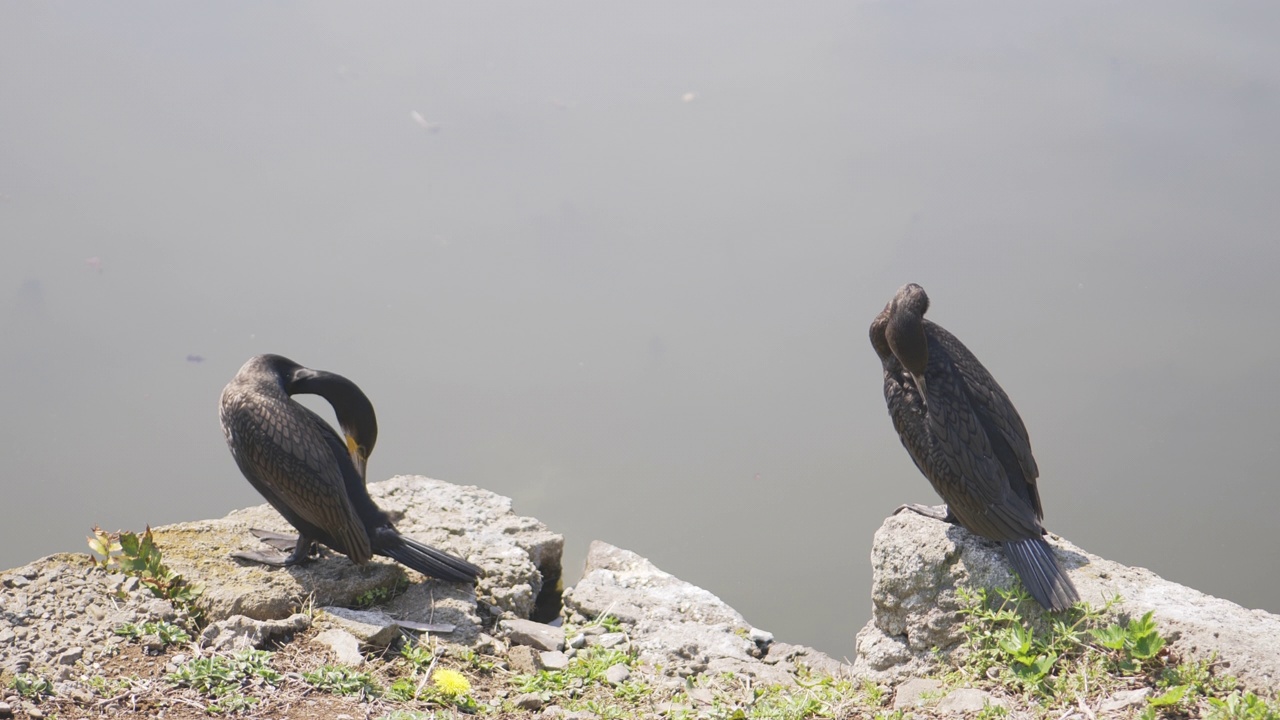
<point>451,682</point>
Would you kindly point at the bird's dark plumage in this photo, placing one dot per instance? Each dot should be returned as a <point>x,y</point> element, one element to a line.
<point>313,477</point>
<point>966,437</point>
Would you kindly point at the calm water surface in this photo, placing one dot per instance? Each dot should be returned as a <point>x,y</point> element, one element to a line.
<point>618,262</point>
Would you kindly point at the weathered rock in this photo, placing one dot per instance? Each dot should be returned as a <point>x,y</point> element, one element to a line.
<point>345,646</point>
<point>1124,699</point>
<point>239,632</point>
<point>670,623</point>
<point>45,614</point>
<point>535,634</point>
<point>918,562</point>
<point>617,674</point>
<point>554,660</point>
<point>967,700</point>
<point>524,660</point>
<point>370,627</point>
<point>519,555</point>
<point>611,640</point>
<point>441,603</point>
<point>528,701</point>
<point>916,693</point>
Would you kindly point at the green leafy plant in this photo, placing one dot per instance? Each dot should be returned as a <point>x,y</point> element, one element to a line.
<point>1008,637</point>
<point>223,678</point>
<point>1133,645</point>
<point>31,686</point>
<point>138,555</point>
<point>168,633</point>
<point>1028,657</point>
<point>1242,707</point>
<point>342,680</point>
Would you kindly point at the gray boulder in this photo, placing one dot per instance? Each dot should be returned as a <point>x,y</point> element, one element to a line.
<point>519,555</point>
<point>672,624</point>
<point>918,562</point>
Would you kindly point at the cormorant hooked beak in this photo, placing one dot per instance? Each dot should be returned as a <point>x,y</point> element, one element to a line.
<point>924,397</point>
<point>359,453</point>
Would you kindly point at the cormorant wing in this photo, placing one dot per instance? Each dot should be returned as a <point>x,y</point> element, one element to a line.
<point>279,442</point>
<point>962,454</point>
<point>996,412</point>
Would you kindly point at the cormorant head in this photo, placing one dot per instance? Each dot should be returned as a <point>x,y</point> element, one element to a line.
<point>905,331</point>
<point>878,339</point>
<point>351,406</point>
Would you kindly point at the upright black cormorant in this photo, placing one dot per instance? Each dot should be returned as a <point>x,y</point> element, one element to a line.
<point>314,478</point>
<point>966,437</point>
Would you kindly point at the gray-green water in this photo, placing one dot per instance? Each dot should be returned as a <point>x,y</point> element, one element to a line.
<point>618,262</point>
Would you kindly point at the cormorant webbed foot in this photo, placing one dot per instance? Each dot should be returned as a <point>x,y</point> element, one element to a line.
<point>937,512</point>
<point>266,557</point>
<point>282,542</point>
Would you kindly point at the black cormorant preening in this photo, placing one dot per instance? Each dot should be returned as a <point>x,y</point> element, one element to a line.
<point>314,478</point>
<point>966,437</point>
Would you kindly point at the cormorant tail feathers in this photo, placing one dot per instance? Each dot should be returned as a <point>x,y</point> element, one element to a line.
<point>425,559</point>
<point>1043,577</point>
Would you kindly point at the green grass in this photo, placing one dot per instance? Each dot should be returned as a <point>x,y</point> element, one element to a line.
<point>1082,655</point>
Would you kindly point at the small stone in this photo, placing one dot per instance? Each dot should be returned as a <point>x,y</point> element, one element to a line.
<point>70,656</point>
<point>578,641</point>
<point>35,713</point>
<point>701,695</point>
<point>609,640</point>
<point>552,711</point>
<point>911,693</point>
<point>536,634</point>
<point>152,644</point>
<point>371,627</point>
<point>593,630</point>
<point>760,637</point>
<point>6,710</point>
<point>1121,700</point>
<point>617,674</point>
<point>345,646</point>
<point>528,701</point>
<point>524,660</point>
<point>16,581</point>
<point>343,716</point>
<point>554,660</point>
<point>485,644</point>
<point>580,715</point>
<point>966,700</point>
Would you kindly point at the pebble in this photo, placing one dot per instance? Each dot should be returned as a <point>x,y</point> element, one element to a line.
<point>579,641</point>
<point>554,660</point>
<point>524,660</point>
<point>6,710</point>
<point>617,674</point>
<point>528,701</point>
<point>965,701</point>
<point>609,640</point>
